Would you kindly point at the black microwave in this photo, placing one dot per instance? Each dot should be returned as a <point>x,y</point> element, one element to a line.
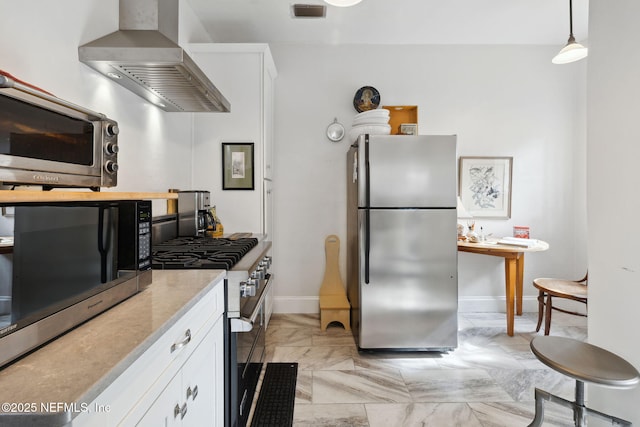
<point>47,141</point>
<point>70,262</point>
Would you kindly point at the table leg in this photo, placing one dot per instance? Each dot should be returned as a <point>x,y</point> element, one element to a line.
<point>510,288</point>
<point>519,283</point>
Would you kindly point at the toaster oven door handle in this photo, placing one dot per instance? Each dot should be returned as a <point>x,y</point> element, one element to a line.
<point>245,324</point>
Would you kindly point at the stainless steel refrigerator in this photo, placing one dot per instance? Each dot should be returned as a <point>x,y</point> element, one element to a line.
<point>402,259</point>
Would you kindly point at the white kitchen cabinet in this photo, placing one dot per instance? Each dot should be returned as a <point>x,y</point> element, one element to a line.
<point>189,354</point>
<point>160,412</point>
<point>203,381</point>
<point>195,395</point>
<point>268,219</point>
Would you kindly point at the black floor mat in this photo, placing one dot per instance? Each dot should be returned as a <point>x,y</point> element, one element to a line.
<point>277,396</point>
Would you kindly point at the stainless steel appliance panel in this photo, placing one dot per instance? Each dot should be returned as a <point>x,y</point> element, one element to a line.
<point>407,171</point>
<point>408,285</point>
<point>193,206</point>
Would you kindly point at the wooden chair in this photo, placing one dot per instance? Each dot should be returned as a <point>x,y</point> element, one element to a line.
<point>549,288</point>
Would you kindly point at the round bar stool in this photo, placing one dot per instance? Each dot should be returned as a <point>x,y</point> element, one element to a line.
<point>583,362</point>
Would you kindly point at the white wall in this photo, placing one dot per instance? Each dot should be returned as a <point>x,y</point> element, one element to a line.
<point>499,100</point>
<point>238,75</point>
<point>39,44</point>
<point>613,153</point>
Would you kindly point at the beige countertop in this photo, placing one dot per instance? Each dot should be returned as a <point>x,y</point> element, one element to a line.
<point>79,365</point>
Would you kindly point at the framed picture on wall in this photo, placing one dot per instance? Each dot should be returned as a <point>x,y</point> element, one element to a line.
<point>237,166</point>
<point>485,186</point>
<point>408,129</point>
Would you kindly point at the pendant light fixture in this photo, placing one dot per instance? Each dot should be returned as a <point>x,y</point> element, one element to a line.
<point>342,3</point>
<point>572,51</point>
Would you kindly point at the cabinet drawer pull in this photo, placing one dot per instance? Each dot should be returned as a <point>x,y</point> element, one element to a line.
<point>180,411</point>
<point>192,393</point>
<point>185,341</point>
<point>183,410</point>
<point>176,411</point>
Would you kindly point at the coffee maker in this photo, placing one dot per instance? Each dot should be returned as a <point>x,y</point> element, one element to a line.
<point>194,213</point>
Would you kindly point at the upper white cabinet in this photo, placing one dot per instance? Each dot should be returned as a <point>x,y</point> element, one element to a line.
<point>245,74</point>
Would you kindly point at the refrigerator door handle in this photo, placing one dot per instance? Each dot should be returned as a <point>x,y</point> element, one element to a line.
<point>367,174</point>
<point>367,229</point>
<point>367,244</point>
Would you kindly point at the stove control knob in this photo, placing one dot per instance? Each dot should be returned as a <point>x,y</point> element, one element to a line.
<point>267,261</point>
<point>258,274</point>
<point>247,289</point>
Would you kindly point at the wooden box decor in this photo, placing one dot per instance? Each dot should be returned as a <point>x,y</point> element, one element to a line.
<point>403,119</point>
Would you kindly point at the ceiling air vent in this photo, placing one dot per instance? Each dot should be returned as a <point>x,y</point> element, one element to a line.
<point>309,11</point>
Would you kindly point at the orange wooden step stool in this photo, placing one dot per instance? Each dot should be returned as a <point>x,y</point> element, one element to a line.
<point>334,305</point>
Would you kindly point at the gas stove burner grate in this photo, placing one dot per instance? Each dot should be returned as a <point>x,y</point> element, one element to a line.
<point>200,252</point>
<point>177,260</point>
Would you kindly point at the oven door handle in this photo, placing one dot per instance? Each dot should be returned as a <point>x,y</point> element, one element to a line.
<point>245,324</point>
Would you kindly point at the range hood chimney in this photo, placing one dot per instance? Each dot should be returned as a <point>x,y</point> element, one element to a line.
<point>144,57</point>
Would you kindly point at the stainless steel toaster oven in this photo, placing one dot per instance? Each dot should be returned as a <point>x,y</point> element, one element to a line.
<point>47,141</point>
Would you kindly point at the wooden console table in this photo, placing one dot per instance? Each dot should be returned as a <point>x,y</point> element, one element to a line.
<point>513,269</point>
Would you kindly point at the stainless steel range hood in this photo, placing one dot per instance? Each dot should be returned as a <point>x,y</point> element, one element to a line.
<point>144,57</point>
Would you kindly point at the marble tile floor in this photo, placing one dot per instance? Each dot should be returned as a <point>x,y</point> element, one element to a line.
<point>488,380</point>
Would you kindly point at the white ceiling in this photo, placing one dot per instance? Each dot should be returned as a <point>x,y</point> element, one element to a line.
<point>397,22</point>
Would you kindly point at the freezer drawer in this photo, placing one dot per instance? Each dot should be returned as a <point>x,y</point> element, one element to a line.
<point>408,284</point>
<point>407,171</point>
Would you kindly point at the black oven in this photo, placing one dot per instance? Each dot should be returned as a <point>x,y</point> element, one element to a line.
<point>246,358</point>
<point>70,261</point>
<point>247,347</point>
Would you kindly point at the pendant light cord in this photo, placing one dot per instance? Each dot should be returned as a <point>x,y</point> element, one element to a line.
<point>571,21</point>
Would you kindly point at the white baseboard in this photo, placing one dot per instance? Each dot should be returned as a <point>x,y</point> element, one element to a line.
<point>494,304</point>
<point>490,304</point>
<point>294,304</point>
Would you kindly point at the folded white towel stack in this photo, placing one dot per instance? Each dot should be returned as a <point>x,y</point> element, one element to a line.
<point>374,122</point>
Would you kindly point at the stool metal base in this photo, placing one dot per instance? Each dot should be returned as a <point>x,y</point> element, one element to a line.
<point>580,411</point>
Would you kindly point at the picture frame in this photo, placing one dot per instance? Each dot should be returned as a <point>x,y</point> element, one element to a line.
<point>409,129</point>
<point>485,186</point>
<point>237,166</point>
